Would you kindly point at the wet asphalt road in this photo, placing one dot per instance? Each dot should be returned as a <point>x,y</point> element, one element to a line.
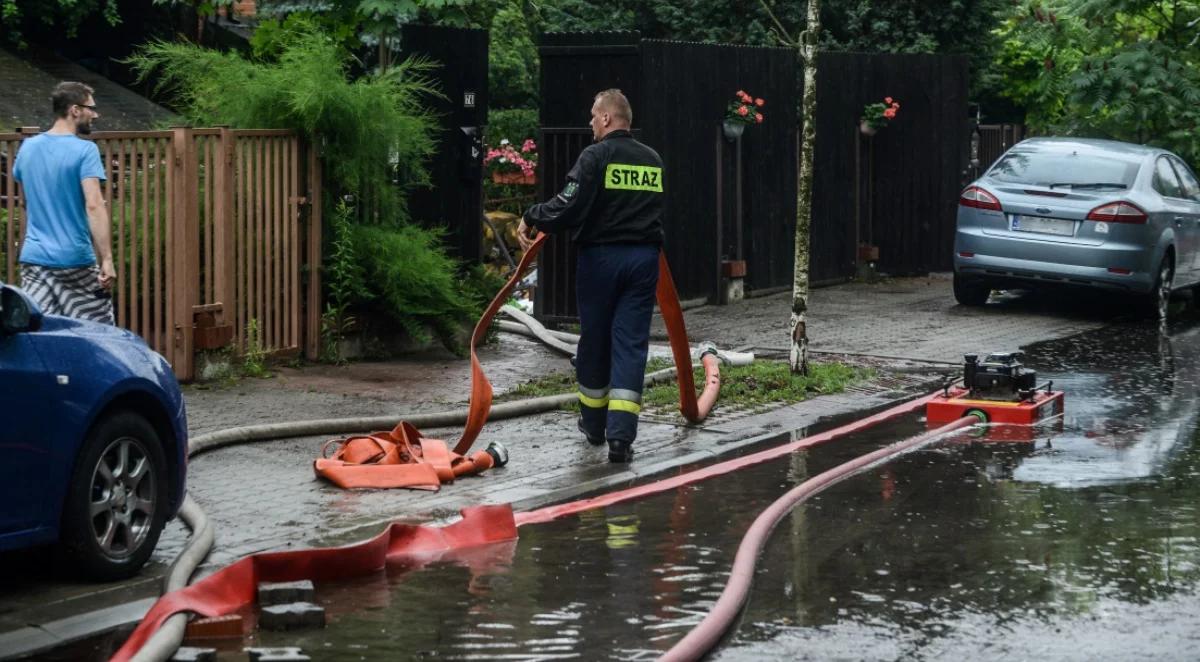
<point>1082,545</point>
<point>1079,543</point>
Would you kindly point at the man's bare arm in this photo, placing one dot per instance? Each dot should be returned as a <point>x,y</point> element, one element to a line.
<point>98,223</point>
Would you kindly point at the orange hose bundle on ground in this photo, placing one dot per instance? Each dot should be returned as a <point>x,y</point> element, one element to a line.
<point>403,458</point>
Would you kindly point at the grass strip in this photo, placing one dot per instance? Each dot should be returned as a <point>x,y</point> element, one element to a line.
<point>758,384</point>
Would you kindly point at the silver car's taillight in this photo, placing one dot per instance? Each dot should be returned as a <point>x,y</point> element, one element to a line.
<point>978,198</point>
<point>1118,212</point>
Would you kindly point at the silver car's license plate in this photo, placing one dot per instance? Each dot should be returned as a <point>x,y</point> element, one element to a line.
<point>1056,226</point>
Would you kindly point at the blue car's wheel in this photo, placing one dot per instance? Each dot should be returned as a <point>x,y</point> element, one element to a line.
<point>117,501</point>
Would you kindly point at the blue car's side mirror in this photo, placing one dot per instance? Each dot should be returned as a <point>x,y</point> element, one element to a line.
<point>18,313</point>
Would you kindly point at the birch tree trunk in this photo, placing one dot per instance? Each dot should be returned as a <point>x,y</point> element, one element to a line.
<point>798,356</point>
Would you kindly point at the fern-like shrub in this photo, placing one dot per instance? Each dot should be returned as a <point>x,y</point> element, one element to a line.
<point>407,271</point>
<point>373,133</point>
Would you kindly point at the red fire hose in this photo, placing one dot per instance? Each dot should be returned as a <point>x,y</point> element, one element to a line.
<point>708,633</point>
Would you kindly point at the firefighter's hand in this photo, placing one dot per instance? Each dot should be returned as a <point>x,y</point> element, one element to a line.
<point>525,235</point>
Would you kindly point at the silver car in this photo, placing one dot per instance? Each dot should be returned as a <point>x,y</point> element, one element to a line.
<point>1075,211</point>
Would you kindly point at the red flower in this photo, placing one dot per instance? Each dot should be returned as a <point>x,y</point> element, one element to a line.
<point>896,105</point>
<point>759,102</point>
<point>889,113</point>
<point>742,110</point>
<point>741,94</point>
<point>758,117</point>
<point>887,99</point>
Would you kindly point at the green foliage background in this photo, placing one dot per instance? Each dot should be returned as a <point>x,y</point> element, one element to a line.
<point>516,124</point>
<point>1122,69</point>
<point>65,15</point>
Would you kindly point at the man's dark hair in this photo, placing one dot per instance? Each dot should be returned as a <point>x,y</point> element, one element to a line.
<point>67,94</point>
<point>615,102</point>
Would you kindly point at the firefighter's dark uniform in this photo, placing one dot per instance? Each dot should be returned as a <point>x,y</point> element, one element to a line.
<point>612,205</point>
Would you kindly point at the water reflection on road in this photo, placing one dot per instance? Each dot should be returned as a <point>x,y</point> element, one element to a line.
<point>1079,545</point>
<point>1082,545</point>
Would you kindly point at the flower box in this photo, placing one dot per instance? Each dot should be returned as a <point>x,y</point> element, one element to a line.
<point>519,178</point>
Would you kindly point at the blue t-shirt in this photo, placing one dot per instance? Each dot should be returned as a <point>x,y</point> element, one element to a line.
<point>51,168</point>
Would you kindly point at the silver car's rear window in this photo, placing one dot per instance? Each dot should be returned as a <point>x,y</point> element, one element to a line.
<point>1043,168</point>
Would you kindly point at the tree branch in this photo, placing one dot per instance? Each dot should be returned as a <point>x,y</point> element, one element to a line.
<point>783,33</point>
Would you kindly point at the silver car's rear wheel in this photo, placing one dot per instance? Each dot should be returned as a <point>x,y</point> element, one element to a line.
<point>1158,303</point>
<point>970,293</point>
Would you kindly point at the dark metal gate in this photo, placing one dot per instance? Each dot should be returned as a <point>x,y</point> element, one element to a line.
<point>455,200</point>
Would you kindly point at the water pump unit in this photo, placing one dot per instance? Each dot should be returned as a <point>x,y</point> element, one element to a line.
<point>998,389</point>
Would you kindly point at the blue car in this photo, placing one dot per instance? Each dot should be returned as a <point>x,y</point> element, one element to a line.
<point>93,440</point>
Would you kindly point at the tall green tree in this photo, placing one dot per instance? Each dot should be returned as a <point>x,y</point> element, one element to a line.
<point>1122,69</point>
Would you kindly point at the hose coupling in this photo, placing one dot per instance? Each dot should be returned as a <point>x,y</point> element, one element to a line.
<point>707,347</point>
<point>498,452</point>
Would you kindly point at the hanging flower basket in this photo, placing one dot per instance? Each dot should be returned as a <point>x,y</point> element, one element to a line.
<point>877,115</point>
<point>518,178</point>
<point>509,166</point>
<point>744,110</point>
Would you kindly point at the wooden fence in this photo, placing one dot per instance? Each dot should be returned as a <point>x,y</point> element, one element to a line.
<point>204,222</point>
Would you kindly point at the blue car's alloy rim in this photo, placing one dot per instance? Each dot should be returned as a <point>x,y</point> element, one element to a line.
<point>122,505</point>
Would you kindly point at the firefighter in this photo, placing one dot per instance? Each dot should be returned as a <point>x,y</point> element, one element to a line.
<point>612,204</point>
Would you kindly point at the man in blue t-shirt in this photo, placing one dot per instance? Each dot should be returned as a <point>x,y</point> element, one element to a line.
<point>67,225</point>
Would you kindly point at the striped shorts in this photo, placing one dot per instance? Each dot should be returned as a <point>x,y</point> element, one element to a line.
<point>73,292</point>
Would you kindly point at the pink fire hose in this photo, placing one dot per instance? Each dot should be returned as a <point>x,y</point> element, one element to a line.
<point>708,633</point>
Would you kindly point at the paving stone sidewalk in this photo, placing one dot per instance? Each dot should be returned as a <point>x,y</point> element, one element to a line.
<point>264,496</point>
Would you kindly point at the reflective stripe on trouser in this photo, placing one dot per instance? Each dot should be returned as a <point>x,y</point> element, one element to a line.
<point>615,291</point>
<point>593,410</point>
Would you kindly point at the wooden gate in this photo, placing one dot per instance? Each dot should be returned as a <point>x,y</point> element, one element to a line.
<point>203,221</point>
